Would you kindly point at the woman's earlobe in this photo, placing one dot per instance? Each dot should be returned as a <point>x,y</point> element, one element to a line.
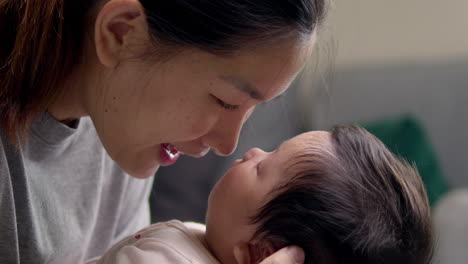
<point>118,25</point>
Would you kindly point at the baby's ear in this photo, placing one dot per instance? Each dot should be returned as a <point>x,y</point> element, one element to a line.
<point>252,252</point>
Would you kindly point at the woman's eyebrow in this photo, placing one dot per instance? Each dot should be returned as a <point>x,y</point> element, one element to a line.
<point>243,86</point>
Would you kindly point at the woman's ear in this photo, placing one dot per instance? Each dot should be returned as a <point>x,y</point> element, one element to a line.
<point>120,24</point>
<point>252,252</point>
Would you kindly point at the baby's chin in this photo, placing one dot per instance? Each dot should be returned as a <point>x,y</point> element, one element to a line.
<point>223,249</point>
<point>215,246</point>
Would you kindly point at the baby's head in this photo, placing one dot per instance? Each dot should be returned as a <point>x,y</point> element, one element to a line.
<point>340,195</point>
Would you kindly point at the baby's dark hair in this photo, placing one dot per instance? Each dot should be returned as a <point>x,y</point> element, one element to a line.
<point>356,203</point>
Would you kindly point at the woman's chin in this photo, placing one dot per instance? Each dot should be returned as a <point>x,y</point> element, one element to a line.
<point>141,165</point>
<point>142,173</point>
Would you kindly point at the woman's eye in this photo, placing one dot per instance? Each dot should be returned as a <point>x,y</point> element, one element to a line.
<point>225,105</point>
<point>258,168</point>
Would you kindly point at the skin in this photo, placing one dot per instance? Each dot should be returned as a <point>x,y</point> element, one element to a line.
<point>196,101</point>
<point>137,103</point>
<point>245,188</point>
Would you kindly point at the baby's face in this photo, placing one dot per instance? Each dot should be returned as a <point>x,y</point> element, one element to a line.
<point>246,187</point>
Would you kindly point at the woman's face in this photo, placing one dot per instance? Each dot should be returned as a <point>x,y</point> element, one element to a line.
<point>193,102</point>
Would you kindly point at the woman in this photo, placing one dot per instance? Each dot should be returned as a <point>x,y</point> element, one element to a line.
<point>93,91</point>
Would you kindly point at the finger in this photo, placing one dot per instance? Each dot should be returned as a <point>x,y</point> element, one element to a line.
<point>287,255</point>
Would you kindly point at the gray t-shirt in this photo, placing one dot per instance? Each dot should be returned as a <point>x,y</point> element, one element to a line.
<point>62,199</point>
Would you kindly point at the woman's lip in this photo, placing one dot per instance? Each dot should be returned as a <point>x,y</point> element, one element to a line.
<point>200,154</point>
<point>168,154</point>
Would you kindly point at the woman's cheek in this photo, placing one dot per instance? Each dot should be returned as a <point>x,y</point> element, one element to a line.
<point>202,123</point>
<point>199,128</point>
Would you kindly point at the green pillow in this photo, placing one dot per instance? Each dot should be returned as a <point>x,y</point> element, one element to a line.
<point>406,137</point>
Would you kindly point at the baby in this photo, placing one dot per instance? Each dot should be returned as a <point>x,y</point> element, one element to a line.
<point>340,195</point>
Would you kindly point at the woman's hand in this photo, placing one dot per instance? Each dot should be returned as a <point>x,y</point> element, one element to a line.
<point>287,255</point>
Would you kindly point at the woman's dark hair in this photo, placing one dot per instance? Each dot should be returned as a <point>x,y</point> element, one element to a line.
<point>355,204</point>
<point>43,40</point>
<point>224,26</point>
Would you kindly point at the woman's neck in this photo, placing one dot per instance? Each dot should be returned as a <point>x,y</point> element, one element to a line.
<point>72,103</point>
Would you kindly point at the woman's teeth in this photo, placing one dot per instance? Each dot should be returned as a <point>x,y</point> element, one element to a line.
<point>171,151</point>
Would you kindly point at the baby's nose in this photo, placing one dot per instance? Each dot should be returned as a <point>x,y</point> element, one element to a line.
<point>252,153</point>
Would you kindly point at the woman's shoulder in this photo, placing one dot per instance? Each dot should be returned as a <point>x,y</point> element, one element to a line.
<point>67,176</point>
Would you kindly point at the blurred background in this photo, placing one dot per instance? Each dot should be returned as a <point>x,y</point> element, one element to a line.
<point>398,67</point>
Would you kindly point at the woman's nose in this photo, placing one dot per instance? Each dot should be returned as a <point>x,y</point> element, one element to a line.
<point>224,141</point>
<point>224,136</point>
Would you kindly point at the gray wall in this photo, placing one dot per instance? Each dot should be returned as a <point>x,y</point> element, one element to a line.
<point>397,57</point>
<point>436,93</point>
<point>379,32</point>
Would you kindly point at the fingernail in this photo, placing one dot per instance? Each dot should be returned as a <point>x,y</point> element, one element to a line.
<point>296,253</point>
